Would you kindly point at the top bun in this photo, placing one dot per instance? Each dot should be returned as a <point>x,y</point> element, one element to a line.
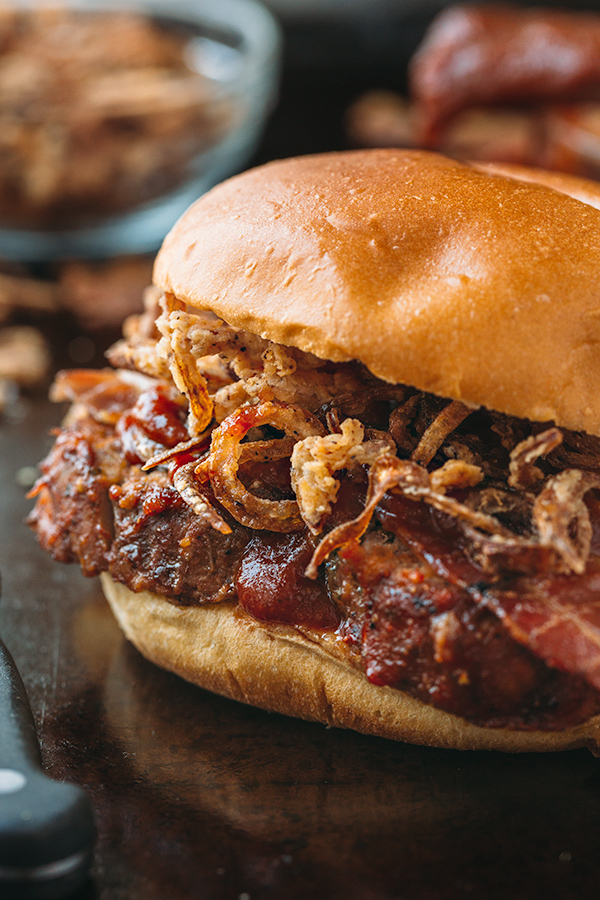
<point>474,283</point>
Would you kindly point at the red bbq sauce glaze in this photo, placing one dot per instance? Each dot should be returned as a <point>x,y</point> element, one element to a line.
<point>148,499</point>
<point>433,536</point>
<point>158,416</point>
<point>271,585</point>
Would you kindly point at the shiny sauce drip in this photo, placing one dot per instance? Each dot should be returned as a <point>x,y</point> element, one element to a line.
<point>271,585</point>
<point>158,417</point>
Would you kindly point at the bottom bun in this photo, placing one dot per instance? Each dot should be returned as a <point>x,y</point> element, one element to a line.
<point>222,649</point>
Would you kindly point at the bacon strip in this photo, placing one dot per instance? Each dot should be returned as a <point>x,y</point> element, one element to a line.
<point>558,618</point>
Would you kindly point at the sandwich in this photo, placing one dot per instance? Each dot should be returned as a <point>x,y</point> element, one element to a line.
<point>346,464</point>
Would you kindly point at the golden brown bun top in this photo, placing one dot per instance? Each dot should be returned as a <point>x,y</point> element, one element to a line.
<point>468,283</point>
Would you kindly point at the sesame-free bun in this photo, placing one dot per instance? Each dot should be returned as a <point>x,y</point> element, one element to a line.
<point>481,285</point>
<point>580,188</point>
<point>222,649</point>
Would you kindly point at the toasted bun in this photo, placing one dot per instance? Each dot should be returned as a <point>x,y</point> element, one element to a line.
<point>220,648</point>
<point>480,286</point>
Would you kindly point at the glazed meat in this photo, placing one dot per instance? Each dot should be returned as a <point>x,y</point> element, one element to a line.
<point>404,527</point>
<point>118,519</point>
<point>478,55</point>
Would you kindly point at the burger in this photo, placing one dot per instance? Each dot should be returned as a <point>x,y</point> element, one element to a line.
<point>346,464</point>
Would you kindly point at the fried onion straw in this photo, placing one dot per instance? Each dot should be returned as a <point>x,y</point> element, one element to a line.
<point>223,462</point>
<point>383,475</point>
<point>184,481</point>
<point>523,473</point>
<point>444,424</point>
<point>182,363</point>
<point>315,460</point>
<point>266,451</point>
<point>562,518</point>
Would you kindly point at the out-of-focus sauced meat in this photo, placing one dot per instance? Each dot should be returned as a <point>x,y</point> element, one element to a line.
<point>475,55</point>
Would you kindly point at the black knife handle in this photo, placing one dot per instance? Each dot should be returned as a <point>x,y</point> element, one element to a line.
<point>46,827</point>
<point>19,748</point>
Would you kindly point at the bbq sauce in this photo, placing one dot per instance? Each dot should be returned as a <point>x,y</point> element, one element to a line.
<point>159,417</point>
<point>272,587</point>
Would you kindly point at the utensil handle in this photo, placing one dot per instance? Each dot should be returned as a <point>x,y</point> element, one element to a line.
<point>46,827</point>
<point>19,748</point>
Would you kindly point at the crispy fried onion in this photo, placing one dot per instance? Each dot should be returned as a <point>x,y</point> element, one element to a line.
<point>523,473</point>
<point>444,424</point>
<point>385,473</point>
<point>171,453</point>
<point>226,453</point>
<point>562,519</point>
<point>240,367</point>
<point>185,482</point>
<point>355,402</point>
<point>414,481</point>
<point>455,473</point>
<point>400,419</point>
<point>266,451</point>
<point>138,348</point>
<point>578,451</point>
<point>317,458</point>
<point>173,325</point>
<point>561,531</point>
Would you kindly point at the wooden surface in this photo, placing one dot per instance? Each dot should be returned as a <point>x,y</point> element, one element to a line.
<point>200,797</point>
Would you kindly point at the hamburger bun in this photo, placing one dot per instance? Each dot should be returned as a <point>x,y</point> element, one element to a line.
<point>477,283</point>
<point>226,651</point>
<point>472,285</point>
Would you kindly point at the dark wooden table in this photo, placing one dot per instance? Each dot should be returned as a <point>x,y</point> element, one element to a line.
<point>201,798</point>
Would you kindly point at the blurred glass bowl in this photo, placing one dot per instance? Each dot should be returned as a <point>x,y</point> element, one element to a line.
<point>110,127</point>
